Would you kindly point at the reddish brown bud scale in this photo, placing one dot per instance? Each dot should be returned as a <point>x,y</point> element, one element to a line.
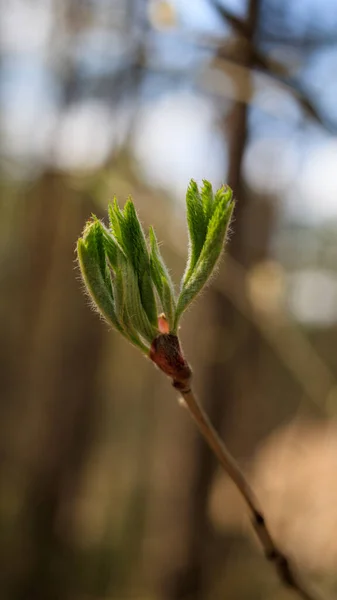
<point>166,353</point>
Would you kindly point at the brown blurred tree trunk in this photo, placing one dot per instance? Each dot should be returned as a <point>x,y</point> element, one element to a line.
<point>57,373</point>
<point>226,381</point>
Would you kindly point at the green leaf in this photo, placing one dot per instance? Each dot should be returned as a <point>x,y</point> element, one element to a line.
<point>168,302</point>
<point>134,239</point>
<point>148,297</point>
<point>111,248</point>
<point>197,227</point>
<point>125,278</point>
<point>97,230</point>
<point>136,249</point>
<point>116,220</point>
<point>161,279</point>
<point>223,193</point>
<point>129,234</point>
<point>207,199</point>
<point>93,277</point>
<point>96,277</point>
<point>135,313</point>
<point>216,233</point>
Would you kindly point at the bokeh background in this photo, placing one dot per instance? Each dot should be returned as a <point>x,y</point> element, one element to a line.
<point>107,491</point>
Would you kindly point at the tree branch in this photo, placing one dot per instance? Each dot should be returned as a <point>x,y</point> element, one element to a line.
<point>304,43</point>
<point>285,571</point>
<point>271,67</point>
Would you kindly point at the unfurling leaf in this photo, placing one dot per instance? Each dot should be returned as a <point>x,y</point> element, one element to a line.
<point>126,276</point>
<point>92,270</point>
<point>221,212</point>
<point>126,228</point>
<point>197,227</point>
<point>161,279</point>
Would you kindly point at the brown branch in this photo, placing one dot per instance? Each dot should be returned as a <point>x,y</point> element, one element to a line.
<point>269,66</point>
<point>285,571</point>
<point>306,42</point>
<point>166,353</point>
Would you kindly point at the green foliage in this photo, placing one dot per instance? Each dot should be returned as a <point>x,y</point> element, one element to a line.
<point>112,284</point>
<point>125,275</point>
<point>128,231</point>
<point>197,227</point>
<point>217,214</point>
<point>93,274</point>
<point>161,279</point>
<point>207,199</point>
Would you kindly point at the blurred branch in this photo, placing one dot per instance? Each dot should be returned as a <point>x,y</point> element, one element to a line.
<point>270,66</point>
<point>241,27</point>
<point>242,73</point>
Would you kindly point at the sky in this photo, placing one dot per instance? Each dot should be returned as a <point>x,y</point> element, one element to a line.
<point>176,134</point>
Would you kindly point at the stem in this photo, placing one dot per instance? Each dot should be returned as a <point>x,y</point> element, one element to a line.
<point>284,569</point>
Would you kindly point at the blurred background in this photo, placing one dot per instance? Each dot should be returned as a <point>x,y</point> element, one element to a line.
<point>107,491</point>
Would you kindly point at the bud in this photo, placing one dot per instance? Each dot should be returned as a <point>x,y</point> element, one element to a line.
<point>166,353</point>
<point>130,285</point>
<point>163,324</point>
<point>208,220</point>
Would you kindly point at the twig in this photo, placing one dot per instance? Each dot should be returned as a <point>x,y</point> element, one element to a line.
<point>100,250</point>
<point>284,569</point>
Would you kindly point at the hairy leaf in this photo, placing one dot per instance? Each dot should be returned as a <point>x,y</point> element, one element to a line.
<point>125,278</point>
<point>135,313</point>
<point>111,248</point>
<point>116,220</point>
<point>93,278</point>
<point>97,231</point>
<point>136,249</point>
<point>211,251</point>
<point>197,227</point>
<point>161,279</point>
<point>129,234</point>
<point>90,253</point>
<point>207,199</point>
